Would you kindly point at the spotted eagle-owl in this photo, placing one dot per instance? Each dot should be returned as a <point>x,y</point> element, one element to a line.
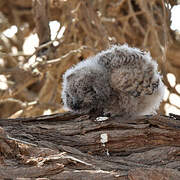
<point>121,80</point>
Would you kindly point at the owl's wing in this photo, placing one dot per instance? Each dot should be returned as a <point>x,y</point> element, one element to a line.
<point>136,82</point>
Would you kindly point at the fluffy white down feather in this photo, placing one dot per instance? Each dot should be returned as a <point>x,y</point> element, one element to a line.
<point>120,80</point>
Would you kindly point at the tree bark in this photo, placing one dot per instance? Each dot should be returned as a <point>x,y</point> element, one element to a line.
<point>73,146</point>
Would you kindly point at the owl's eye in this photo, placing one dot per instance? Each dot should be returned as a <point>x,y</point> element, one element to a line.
<point>90,89</point>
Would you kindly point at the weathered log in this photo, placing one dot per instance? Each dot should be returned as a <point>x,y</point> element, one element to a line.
<point>73,146</point>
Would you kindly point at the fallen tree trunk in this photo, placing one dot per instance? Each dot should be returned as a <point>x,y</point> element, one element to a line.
<point>72,146</point>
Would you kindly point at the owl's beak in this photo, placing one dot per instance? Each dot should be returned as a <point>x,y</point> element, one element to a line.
<point>76,104</point>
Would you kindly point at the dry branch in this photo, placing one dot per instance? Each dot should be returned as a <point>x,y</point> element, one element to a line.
<point>91,24</point>
<point>70,141</point>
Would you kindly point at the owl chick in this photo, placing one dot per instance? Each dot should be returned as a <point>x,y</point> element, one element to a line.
<point>121,80</point>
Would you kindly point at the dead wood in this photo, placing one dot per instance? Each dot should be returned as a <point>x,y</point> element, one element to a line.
<point>70,146</point>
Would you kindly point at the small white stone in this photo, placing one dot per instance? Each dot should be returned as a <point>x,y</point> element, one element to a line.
<point>104,138</point>
<point>107,152</point>
<point>101,119</point>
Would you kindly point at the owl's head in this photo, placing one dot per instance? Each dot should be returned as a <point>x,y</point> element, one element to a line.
<point>85,90</point>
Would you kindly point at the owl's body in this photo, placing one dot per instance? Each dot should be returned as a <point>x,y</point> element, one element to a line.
<point>121,80</point>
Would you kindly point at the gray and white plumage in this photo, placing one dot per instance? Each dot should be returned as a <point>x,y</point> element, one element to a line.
<point>120,80</point>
